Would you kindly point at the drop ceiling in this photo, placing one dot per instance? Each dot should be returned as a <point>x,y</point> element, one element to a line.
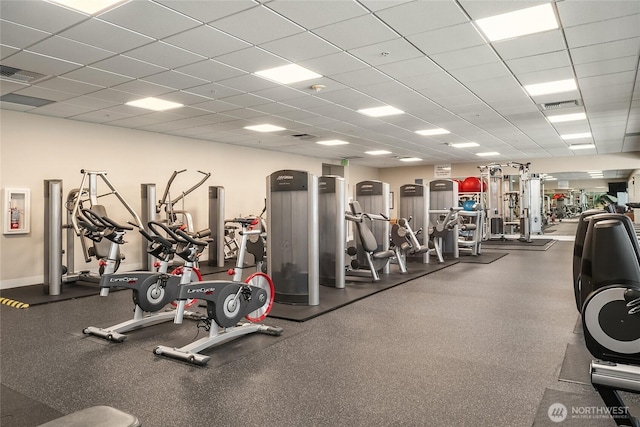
<point>426,58</point>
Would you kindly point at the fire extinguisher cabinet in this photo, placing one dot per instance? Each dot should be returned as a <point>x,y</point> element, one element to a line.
<point>16,211</point>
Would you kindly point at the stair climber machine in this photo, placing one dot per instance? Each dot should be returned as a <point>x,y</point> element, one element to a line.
<point>84,197</point>
<point>228,301</point>
<point>152,291</point>
<point>607,291</point>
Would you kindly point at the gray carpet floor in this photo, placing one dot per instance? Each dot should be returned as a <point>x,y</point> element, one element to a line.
<point>469,345</point>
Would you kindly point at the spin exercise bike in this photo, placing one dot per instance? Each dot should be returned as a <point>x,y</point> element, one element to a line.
<point>152,291</point>
<point>228,301</point>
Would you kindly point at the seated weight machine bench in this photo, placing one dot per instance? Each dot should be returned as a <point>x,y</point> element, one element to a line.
<point>376,259</point>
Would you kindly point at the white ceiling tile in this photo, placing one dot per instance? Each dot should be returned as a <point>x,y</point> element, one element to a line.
<point>96,77</point>
<point>300,47</point>
<point>69,50</point>
<point>604,51</point>
<point>100,116</point>
<point>114,96</point>
<point>540,62</point>
<point>213,90</point>
<point>386,52</point>
<point>313,13</point>
<point>554,74</point>
<point>216,106</point>
<point>607,94</point>
<point>607,80</point>
<point>334,64</point>
<point>39,15</point>
<point>467,57</point>
<point>19,36</point>
<point>140,87</point>
<point>300,116</point>
<point>499,88</point>
<point>273,108</point>
<point>380,90</point>
<point>410,68</point>
<point>420,16</point>
<point>7,86</point>
<point>356,32</point>
<point>376,5</point>
<point>105,35</point>
<point>628,63</point>
<point>204,10</point>
<point>92,103</point>
<point>136,122</point>
<point>246,100</point>
<point>207,41</point>
<point>164,55</point>
<point>478,9</point>
<point>603,31</point>
<point>6,51</point>
<point>61,109</point>
<point>44,93</point>
<point>534,44</point>
<point>39,63</point>
<point>347,98</point>
<point>251,59</point>
<point>480,72</point>
<point>574,13</point>
<point>128,66</point>
<point>249,83</point>
<point>175,80</point>
<point>447,39</point>
<point>279,93</point>
<point>71,86</point>
<point>257,25</point>
<point>210,70</point>
<point>365,76</point>
<point>158,21</point>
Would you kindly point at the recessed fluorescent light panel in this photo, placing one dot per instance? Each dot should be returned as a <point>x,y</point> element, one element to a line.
<point>88,7</point>
<point>557,86</point>
<point>411,159</point>
<point>519,23</point>
<point>581,146</point>
<point>154,104</point>
<point>332,142</point>
<point>550,178</point>
<point>286,74</point>
<point>488,154</point>
<point>567,117</point>
<point>465,144</point>
<point>387,110</point>
<point>430,132</point>
<point>377,152</point>
<point>264,128</point>
<point>576,135</point>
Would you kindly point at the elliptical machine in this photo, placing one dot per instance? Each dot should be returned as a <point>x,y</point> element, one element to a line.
<point>152,291</point>
<point>608,292</point>
<point>227,302</point>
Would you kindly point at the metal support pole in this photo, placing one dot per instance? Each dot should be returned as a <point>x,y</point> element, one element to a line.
<point>148,213</point>
<point>53,236</point>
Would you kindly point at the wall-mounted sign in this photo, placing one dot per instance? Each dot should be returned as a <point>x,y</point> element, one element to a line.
<point>442,171</point>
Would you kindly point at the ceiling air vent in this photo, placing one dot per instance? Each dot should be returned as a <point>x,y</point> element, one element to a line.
<point>304,136</point>
<point>31,101</point>
<point>561,104</point>
<point>18,75</point>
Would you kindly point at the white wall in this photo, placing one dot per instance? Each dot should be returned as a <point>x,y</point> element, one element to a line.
<point>399,176</point>
<point>34,148</point>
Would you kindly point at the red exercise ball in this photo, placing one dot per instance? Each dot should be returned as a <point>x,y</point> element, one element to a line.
<point>471,185</point>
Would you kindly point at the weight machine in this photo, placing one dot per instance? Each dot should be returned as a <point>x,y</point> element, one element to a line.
<point>508,207</point>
